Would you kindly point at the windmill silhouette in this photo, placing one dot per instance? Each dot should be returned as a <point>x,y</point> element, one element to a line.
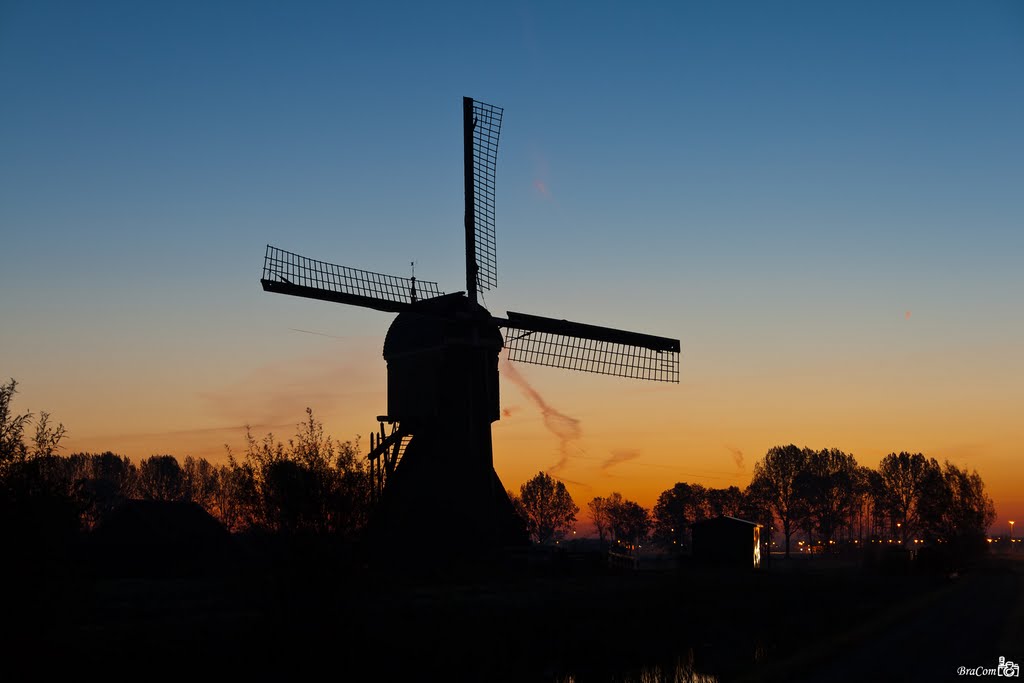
<point>433,474</point>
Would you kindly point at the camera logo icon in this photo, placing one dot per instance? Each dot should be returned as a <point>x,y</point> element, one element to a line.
<point>1008,669</point>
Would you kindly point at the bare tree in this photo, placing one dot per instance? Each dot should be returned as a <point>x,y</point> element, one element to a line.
<point>548,508</point>
<point>904,480</point>
<point>775,482</point>
<point>600,515</point>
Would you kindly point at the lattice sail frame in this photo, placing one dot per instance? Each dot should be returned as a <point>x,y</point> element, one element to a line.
<point>486,129</point>
<point>587,348</point>
<point>284,266</point>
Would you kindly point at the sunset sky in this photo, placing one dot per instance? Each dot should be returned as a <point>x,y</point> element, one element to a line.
<point>823,201</point>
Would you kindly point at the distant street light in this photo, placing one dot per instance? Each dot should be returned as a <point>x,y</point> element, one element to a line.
<point>1011,534</point>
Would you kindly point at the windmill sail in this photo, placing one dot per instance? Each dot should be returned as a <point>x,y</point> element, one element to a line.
<point>589,348</point>
<point>481,128</point>
<point>288,273</point>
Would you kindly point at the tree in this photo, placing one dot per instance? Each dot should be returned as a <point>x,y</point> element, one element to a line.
<point>624,521</point>
<point>826,485</point>
<point>727,501</point>
<point>314,484</point>
<point>600,515</point>
<point>12,428</point>
<point>39,516</point>
<point>630,521</point>
<point>105,481</point>
<point>954,507</point>
<point>861,513</point>
<point>676,509</point>
<point>199,482</point>
<point>904,479</point>
<point>775,482</point>
<point>291,496</point>
<point>351,495</point>
<point>47,439</point>
<point>45,442</point>
<point>754,508</point>
<point>237,498</point>
<point>548,509</point>
<point>161,478</point>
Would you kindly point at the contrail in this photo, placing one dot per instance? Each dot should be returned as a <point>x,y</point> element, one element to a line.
<point>570,481</point>
<point>566,429</point>
<point>322,334</point>
<point>619,456</point>
<point>737,456</point>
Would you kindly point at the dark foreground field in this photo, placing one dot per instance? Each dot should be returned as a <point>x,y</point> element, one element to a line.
<point>539,619</point>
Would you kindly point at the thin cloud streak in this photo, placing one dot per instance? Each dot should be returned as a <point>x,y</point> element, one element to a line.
<point>279,393</point>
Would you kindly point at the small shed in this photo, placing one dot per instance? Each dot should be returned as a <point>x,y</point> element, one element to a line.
<point>729,542</point>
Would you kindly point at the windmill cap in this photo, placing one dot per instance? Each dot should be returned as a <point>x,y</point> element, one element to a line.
<point>445,321</point>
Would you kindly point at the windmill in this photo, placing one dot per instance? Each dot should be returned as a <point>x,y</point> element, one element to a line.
<point>434,473</point>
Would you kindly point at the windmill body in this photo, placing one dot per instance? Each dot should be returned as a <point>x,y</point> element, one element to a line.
<point>442,358</point>
<point>434,473</point>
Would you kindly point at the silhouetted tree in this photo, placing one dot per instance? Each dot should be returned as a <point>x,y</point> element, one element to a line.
<point>236,502</point>
<point>629,520</point>
<point>727,501</point>
<point>199,482</point>
<point>291,496</point>
<point>351,495</point>
<point>547,508</point>
<point>757,509</point>
<point>161,478</point>
<point>904,479</point>
<point>105,480</point>
<point>314,484</point>
<point>674,512</point>
<point>38,512</point>
<point>826,485</point>
<point>861,511</point>
<point>775,482</point>
<point>599,514</point>
<point>46,441</point>
<point>12,428</point>
<point>955,508</point>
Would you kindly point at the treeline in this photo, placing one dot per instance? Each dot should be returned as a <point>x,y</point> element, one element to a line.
<point>312,483</point>
<point>826,497</point>
<point>315,484</point>
<point>823,496</point>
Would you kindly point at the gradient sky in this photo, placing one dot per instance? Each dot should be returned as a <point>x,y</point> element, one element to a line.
<point>823,201</point>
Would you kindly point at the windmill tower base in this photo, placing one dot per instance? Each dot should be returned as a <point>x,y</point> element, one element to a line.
<point>442,512</point>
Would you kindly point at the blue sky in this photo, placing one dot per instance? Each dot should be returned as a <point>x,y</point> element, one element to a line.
<point>776,184</point>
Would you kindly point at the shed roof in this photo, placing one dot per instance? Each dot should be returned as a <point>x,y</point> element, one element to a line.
<point>724,519</point>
